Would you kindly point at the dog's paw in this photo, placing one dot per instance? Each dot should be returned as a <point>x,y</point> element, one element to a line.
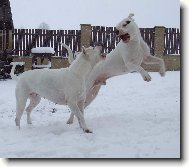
<point>29,122</point>
<point>87,131</point>
<point>147,77</point>
<point>162,71</point>
<point>17,121</point>
<point>69,121</point>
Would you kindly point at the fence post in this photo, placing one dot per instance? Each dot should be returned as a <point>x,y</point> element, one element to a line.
<point>85,35</point>
<point>159,41</point>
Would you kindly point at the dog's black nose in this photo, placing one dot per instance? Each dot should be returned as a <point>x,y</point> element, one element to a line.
<point>117,32</point>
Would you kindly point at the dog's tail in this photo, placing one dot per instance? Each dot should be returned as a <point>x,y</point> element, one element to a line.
<point>14,64</point>
<point>70,53</point>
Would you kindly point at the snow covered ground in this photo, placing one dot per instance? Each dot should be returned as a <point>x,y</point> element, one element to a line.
<point>130,118</point>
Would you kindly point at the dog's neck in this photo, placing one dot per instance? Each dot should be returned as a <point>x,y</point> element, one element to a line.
<point>81,67</point>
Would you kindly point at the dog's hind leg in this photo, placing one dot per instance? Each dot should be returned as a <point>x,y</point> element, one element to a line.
<point>20,106</point>
<point>91,95</point>
<point>34,101</point>
<point>155,60</point>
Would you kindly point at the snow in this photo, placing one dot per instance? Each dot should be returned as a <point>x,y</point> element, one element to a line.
<point>130,118</point>
<point>18,63</point>
<point>43,50</point>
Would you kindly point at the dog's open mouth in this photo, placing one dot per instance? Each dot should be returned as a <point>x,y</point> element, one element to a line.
<point>103,55</point>
<point>125,37</point>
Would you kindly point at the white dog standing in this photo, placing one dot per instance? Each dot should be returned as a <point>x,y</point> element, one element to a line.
<point>127,57</point>
<point>61,86</point>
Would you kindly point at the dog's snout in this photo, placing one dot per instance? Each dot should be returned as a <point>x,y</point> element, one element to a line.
<point>117,32</point>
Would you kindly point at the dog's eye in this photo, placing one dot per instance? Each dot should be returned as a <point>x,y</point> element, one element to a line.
<point>124,25</point>
<point>128,22</point>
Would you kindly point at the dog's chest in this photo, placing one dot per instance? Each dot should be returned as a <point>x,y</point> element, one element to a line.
<point>132,53</point>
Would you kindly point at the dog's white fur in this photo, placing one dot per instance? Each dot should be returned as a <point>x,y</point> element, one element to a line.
<point>126,57</point>
<point>61,86</point>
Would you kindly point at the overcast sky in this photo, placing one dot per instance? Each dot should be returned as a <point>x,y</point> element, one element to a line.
<point>69,14</point>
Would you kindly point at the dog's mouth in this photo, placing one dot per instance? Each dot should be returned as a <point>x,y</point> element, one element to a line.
<point>125,38</point>
<point>103,55</point>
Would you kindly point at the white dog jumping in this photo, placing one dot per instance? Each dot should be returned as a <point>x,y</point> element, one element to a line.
<point>127,57</point>
<point>61,86</point>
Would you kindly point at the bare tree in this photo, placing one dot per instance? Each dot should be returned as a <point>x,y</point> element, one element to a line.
<point>44,26</point>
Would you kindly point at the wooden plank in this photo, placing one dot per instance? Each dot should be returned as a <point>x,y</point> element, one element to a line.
<point>33,39</point>
<point>78,39</point>
<point>51,38</point>
<point>166,41</point>
<point>103,29</point>
<point>65,41</point>
<point>74,42</point>
<point>40,37</point>
<point>62,41</point>
<point>19,42</point>
<point>56,41</point>
<point>147,36</point>
<point>174,40</point>
<point>178,42</point>
<point>152,37</point>
<point>23,34</point>
<point>108,38</point>
<point>171,41</point>
<point>16,42</point>
<point>142,32</point>
<point>94,39</point>
<point>70,39</point>
<point>36,37</point>
<point>43,38</point>
<point>27,43</point>
<point>105,40</point>
<point>99,42</point>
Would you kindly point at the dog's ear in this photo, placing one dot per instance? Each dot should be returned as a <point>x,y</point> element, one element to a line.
<point>130,16</point>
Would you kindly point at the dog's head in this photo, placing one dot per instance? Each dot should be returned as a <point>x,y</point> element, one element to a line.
<point>127,29</point>
<point>93,54</point>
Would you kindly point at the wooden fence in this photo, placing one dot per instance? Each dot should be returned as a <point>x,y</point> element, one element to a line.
<point>22,40</point>
<point>5,39</point>
<point>172,41</point>
<point>107,37</point>
<point>26,39</point>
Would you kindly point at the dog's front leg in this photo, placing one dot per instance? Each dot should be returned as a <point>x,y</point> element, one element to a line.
<point>132,67</point>
<point>76,111</point>
<point>81,107</point>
